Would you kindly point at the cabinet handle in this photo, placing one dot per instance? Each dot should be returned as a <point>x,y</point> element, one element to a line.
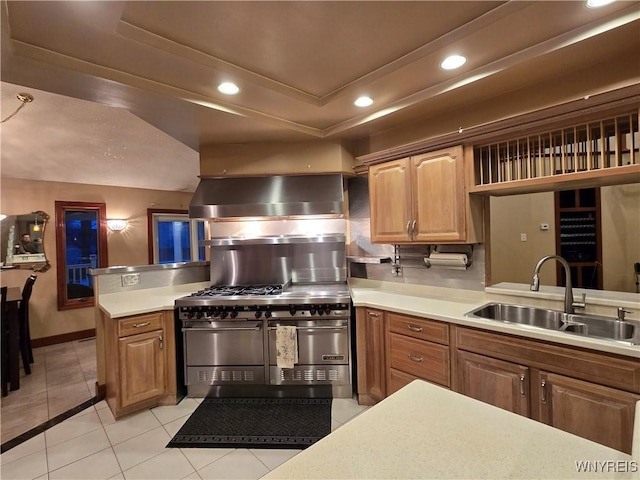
<point>409,228</point>
<point>415,359</point>
<point>138,325</point>
<point>543,391</point>
<point>161,342</point>
<point>522,384</point>
<point>413,228</point>
<point>413,328</point>
<point>373,314</point>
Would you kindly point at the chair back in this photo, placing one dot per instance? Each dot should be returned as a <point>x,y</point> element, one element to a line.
<point>26,293</point>
<point>4,301</point>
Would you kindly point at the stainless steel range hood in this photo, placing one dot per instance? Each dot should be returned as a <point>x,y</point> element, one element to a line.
<point>275,196</point>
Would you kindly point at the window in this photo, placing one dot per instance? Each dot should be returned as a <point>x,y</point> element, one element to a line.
<point>81,244</point>
<point>174,237</point>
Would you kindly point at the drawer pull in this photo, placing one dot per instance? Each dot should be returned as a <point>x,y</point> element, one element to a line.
<point>522,384</point>
<point>138,325</point>
<point>413,328</point>
<point>543,391</point>
<point>373,314</point>
<point>415,359</point>
<point>161,342</point>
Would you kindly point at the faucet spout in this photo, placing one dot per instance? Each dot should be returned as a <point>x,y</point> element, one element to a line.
<point>568,292</point>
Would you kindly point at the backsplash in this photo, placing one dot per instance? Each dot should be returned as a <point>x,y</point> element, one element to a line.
<point>150,276</point>
<point>414,271</point>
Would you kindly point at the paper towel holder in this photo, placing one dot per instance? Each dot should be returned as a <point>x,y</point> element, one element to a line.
<point>450,256</point>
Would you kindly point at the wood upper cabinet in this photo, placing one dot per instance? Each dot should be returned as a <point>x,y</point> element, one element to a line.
<point>602,414</point>
<point>499,383</point>
<point>423,199</point>
<point>370,352</point>
<point>140,361</point>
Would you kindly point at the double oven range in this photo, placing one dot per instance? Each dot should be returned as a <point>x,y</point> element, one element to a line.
<point>229,329</point>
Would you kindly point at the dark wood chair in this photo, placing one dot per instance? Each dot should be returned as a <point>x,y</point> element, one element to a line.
<point>4,348</point>
<point>25,336</point>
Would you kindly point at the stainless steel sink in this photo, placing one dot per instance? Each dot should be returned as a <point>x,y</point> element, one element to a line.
<point>586,325</point>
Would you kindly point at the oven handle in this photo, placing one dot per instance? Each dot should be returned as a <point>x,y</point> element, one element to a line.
<point>220,329</point>
<point>314,328</point>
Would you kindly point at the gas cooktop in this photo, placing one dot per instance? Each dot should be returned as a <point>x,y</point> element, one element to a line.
<point>239,290</point>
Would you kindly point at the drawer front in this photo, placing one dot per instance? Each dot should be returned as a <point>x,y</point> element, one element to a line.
<point>139,324</point>
<point>419,328</point>
<point>426,360</point>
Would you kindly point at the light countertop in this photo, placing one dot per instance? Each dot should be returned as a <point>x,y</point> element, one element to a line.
<point>428,432</point>
<point>451,305</point>
<point>137,302</point>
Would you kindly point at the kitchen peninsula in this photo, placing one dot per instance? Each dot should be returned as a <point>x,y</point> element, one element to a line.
<point>425,431</point>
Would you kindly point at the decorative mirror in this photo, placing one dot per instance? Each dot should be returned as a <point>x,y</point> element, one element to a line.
<point>22,241</point>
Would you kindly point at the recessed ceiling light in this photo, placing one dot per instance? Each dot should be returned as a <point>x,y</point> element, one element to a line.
<point>228,88</point>
<point>452,62</point>
<point>598,3</point>
<point>363,102</point>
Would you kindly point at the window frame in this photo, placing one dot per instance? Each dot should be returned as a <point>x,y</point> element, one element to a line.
<point>61,207</point>
<point>177,215</point>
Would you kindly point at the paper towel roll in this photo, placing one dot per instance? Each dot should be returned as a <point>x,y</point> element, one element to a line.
<point>447,260</point>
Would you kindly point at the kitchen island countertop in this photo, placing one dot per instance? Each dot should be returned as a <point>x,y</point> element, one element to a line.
<point>428,432</point>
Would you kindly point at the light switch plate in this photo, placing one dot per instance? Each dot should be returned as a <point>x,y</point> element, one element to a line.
<point>130,279</point>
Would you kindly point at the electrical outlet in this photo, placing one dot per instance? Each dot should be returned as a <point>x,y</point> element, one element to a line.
<point>396,270</point>
<point>523,237</point>
<point>130,279</point>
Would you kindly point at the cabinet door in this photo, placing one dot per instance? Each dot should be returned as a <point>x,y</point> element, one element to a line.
<point>390,198</point>
<point>439,192</point>
<point>601,414</point>
<point>370,348</point>
<point>142,367</point>
<point>499,383</point>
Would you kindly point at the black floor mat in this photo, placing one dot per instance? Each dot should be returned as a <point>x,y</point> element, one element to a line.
<point>294,423</point>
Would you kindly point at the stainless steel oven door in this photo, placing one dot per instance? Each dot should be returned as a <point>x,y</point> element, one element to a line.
<point>223,343</point>
<point>320,342</point>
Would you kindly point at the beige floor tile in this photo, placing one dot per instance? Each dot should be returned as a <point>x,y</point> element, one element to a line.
<point>77,448</point>
<point>119,476</point>
<point>173,427</point>
<point>26,448</point>
<point>272,458</point>
<point>344,409</point>
<point>61,377</point>
<point>193,476</point>
<point>99,466</point>
<point>27,467</point>
<point>61,361</point>
<point>131,426</point>
<point>66,397</point>
<point>106,417</point>
<point>201,457</point>
<point>170,413</point>
<point>169,465</point>
<point>141,448</point>
<point>72,428</point>
<point>20,418</point>
<point>240,463</point>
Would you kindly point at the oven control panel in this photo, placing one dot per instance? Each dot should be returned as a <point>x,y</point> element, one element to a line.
<point>307,310</point>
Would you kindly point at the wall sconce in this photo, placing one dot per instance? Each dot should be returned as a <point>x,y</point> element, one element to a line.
<point>116,225</point>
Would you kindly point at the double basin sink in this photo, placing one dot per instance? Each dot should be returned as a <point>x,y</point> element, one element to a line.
<point>627,331</point>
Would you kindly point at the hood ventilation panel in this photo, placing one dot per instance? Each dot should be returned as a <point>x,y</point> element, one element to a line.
<point>276,196</point>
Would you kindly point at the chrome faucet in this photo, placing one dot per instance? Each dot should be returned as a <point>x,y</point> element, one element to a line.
<point>569,304</point>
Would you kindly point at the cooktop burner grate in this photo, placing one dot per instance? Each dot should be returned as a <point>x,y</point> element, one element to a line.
<point>238,290</point>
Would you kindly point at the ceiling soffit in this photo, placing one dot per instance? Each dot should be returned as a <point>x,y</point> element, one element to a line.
<point>183,64</point>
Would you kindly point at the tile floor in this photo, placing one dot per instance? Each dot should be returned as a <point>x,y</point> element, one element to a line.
<point>62,377</point>
<point>93,445</point>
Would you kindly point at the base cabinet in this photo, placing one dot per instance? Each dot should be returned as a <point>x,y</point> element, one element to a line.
<point>499,383</point>
<point>602,414</point>
<point>370,346</point>
<point>140,360</point>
